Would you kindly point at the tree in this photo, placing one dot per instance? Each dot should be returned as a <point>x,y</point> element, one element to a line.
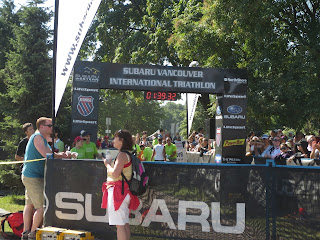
<point>27,73</point>
<point>7,19</point>
<point>172,114</point>
<point>128,110</point>
<point>135,32</point>
<point>276,41</point>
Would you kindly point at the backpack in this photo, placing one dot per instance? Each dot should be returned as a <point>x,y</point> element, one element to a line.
<point>139,181</point>
<point>15,221</point>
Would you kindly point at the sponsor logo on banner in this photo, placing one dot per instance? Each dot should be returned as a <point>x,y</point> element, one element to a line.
<point>218,111</point>
<point>88,70</point>
<point>234,109</point>
<point>218,158</point>
<point>85,89</point>
<point>75,207</point>
<point>236,80</point>
<point>87,75</point>
<point>85,105</point>
<point>218,137</point>
<point>234,96</point>
<point>232,159</point>
<point>234,116</point>
<point>235,142</point>
<point>235,127</point>
<point>84,122</point>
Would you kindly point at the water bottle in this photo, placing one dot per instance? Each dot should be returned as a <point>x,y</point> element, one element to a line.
<point>108,156</point>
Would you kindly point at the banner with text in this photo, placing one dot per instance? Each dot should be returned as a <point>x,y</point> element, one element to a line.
<point>74,20</point>
<point>189,201</point>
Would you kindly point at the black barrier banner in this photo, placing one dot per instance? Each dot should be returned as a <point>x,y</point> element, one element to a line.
<point>191,201</point>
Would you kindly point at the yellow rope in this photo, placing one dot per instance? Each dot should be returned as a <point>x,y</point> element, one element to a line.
<point>15,162</point>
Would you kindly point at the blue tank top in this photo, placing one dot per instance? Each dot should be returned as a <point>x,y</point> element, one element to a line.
<point>33,169</point>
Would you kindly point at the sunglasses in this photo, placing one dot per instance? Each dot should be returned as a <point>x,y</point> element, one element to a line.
<point>276,140</point>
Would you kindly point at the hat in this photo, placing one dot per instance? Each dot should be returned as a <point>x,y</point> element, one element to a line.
<point>106,137</point>
<point>265,136</point>
<point>78,138</point>
<point>303,143</point>
<point>84,133</point>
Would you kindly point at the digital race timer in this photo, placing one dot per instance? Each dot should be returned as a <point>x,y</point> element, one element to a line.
<point>157,95</point>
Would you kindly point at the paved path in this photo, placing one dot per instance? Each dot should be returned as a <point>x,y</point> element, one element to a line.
<point>3,212</point>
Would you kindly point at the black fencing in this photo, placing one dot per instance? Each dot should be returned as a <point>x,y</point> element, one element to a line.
<point>192,201</point>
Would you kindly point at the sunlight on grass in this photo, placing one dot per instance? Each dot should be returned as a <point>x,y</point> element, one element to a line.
<point>12,203</point>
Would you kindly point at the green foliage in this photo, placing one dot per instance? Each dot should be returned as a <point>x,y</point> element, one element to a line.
<point>172,114</point>
<point>128,110</point>
<point>276,41</point>
<point>10,177</point>
<point>135,31</point>
<point>7,19</point>
<point>26,76</point>
<point>63,119</point>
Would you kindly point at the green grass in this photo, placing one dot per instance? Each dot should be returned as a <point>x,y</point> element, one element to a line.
<point>11,203</point>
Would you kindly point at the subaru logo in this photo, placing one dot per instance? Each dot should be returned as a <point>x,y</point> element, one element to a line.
<point>234,109</point>
<point>218,110</point>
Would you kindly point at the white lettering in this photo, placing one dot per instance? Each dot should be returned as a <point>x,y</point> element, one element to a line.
<point>234,96</point>
<point>67,205</point>
<point>234,127</point>
<point>236,80</point>
<point>183,218</point>
<point>137,216</point>
<point>88,211</point>
<point>85,89</point>
<point>152,215</point>
<point>234,116</point>
<point>84,122</point>
<point>81,207</point>
<point>240,223</point>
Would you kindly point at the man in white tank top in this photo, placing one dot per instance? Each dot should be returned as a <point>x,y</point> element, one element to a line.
<point>159,153</point>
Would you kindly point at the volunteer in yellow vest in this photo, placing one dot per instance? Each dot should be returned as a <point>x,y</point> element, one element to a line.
<point>171,150</point>
<point>90,147</point>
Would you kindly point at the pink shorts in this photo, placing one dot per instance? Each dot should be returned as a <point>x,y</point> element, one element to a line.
<point>121,216</point>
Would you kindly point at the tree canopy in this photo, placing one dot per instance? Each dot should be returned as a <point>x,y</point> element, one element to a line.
<point>276,41</point>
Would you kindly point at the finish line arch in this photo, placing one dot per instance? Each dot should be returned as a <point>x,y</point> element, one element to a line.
<point>230,86</point>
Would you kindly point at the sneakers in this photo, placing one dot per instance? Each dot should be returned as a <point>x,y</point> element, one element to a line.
<point>24,235</point>
<point>32,235</point>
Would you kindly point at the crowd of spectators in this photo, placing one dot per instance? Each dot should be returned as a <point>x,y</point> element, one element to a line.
<point>279,146</point>
<point>143,144</point>
<point>197,142</point>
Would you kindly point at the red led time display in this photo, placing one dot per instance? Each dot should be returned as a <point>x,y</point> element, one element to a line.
<point>157,95</point>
